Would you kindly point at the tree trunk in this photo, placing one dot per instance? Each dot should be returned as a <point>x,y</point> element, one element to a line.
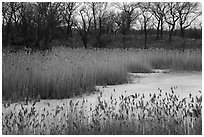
<point>99,34</point>
<point>84,39</point>
<point>25,28</point>
<point>38,35</point>
<point>158,25</point>
<point>17,28</point>
<point>170,36</point>
<point>171,33</point>
<point>145,32</point>
<point>85,42</point>
<point>145,43</point>
<point>46,42</point>
<point>94,17</point>
<point>98,39</point>
<point>46,37</point>
<point>183,45</point>
<point>124,40</point>
<point>182,32</point>
<point>8,38</point>
<point>128,24</point>
<point>69,31</point>
<point>161,30</point>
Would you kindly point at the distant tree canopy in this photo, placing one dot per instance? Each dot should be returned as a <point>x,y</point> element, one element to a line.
<point>36,24</point>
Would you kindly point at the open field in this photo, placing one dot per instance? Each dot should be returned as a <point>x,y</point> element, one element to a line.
<point>65,72</point>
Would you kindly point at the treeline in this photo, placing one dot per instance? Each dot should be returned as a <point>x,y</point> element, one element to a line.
<point>36,24</point>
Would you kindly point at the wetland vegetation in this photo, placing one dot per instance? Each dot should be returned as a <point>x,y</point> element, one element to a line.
<point>59,60</point>
<point>28,78</point>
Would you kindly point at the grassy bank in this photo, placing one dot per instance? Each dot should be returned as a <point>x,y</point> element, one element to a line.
<point>64,72</point>
<point>162,114</point>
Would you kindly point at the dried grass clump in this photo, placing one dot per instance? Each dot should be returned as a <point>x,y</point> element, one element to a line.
<point>164,113</point>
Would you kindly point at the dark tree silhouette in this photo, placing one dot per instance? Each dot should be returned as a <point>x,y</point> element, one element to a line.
<point>171,18</point>
<point>187,13</point>
<point>37,24</point>
<point>68,10</point>
<point>84,26</point>
<point>146,16</point>
<point>99,13</point>
<point>158,10</point>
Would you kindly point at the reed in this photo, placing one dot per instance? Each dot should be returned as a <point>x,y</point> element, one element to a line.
<point>65,72</point>
<point>161,114</point>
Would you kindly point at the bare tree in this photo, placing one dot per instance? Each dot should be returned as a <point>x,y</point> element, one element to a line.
<point>120,20</point>
<point>158,10</point>
<point>68,10</point>
<point>27,21</point>
<point>187,12</point>
<point>146,17</point>
<point>47,21</point>
<point>16,7</point>
<point>99,13</point>
<point>130,13</point>
<point>94,9</point>
<point>126,18</point>
<point>85,24</point>
<point>7,13</point>
<point>171,17</point>
<point>37,23</point>
<point>110,26</point>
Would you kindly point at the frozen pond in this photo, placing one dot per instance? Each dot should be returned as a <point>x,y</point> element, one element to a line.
<point>58,111</point>
<point>183,84</point>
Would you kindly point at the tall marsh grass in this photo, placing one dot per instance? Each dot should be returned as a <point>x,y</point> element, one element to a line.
<point>154,114</point>
<point>65,72</point>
